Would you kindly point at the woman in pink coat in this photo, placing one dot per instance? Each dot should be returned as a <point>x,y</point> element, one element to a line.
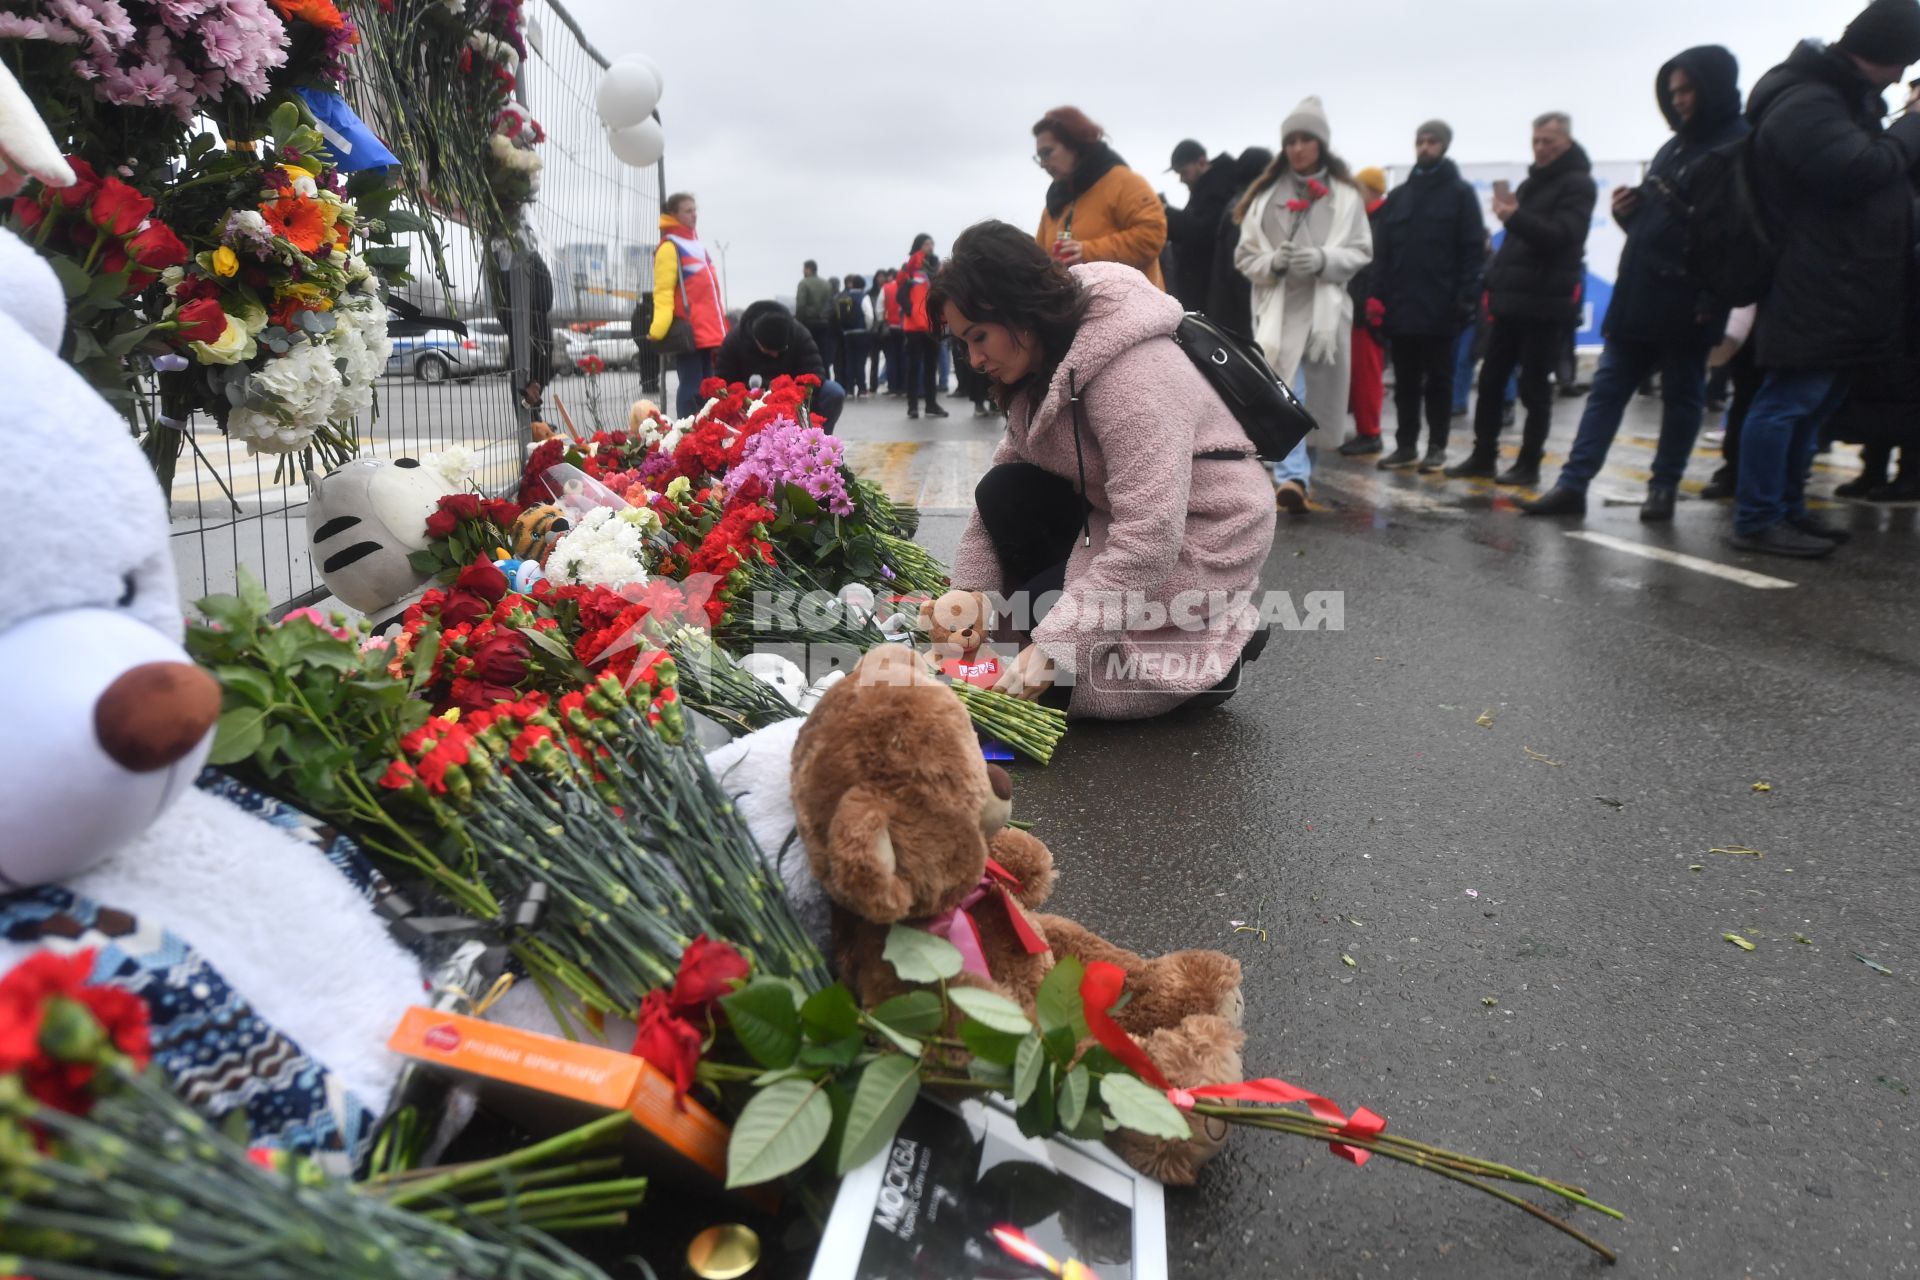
<point>1126,532</point>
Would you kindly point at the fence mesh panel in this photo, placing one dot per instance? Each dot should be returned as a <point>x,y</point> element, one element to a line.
<point>592,230</point>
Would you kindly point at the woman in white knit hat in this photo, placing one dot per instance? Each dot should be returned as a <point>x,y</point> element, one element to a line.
<point>1303,235</point>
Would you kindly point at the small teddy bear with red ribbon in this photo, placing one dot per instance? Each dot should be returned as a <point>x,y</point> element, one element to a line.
<point>956,626</point>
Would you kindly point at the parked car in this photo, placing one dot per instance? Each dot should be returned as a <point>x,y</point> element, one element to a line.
<point>487,343</point>
<point>612,342</point>
<point>434,357</point>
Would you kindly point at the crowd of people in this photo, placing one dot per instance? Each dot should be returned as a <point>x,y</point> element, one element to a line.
<point>1336,279</point>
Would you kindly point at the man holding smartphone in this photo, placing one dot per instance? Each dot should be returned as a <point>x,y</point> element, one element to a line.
<point>1533,288</point>
<point>1659,319</point>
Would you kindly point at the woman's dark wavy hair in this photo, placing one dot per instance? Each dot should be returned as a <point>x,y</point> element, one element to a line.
<point>999,274</point>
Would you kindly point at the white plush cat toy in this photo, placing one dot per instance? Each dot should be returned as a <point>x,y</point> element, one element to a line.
<point>271,983</point>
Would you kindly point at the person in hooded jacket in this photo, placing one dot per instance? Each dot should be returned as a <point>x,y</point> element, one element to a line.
<point>1833,188</point>
<point>1429,251</point>
<point>1533,291</point>
<point>1130,540</point>
<point>1192,231</point>
<point>769,342</point>
<point>1230,294</point>
<point>1660,319</point>
<point>1098,210</point>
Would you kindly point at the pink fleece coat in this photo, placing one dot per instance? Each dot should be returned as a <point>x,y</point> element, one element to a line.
<point>1186,534</point>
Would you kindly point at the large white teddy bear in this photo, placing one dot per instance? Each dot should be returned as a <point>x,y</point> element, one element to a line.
<point>272,983</point>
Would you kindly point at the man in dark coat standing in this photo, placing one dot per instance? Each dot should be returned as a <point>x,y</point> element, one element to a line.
<point>1833,187</point>
<point>1429,246</point>
<point>1659,319</point>
<point>1533,288</point>
<point>1191,231</point>
<point>1230,294</point>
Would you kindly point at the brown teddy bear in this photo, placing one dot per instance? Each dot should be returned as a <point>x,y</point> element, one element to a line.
<point>956,625</point>
<point>900,814</point>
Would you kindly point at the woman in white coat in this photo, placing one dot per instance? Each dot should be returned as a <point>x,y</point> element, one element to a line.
<point>1303,235</point>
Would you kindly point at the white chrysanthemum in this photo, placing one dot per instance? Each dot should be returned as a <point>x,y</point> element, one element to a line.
<point>603,549</point>
<point>453,465</point>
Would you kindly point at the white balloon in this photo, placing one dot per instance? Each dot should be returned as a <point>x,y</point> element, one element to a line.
<point>639,145</point>
<point>628,93</point>
<point>641,59</point>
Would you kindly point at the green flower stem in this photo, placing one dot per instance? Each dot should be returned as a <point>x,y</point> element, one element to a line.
<point>590,1222</point>
<point>588,1199</point>
<point>564,1144</point>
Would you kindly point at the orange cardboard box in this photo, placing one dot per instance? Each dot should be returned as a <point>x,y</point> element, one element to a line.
<point>533,1069</point>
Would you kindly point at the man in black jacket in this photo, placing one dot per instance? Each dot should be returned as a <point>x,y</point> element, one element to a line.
<point>769,342</point>
<point>1659,318</point>
<point>1534,289</point>
<point>1191,231</point>
<point>1833,188</point>
<point>1230,294</point>
<point>1428,249</point>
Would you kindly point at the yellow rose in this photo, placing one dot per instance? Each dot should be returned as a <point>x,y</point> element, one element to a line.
<point>233,346</point>
<point>225,261</point>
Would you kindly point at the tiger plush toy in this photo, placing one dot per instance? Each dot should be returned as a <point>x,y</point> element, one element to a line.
<point>537,530</point>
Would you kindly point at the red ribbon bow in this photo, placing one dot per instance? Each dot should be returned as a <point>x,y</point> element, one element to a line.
<point>959,928</point>
<point>1361,1124</point>
<point>1099,989</point>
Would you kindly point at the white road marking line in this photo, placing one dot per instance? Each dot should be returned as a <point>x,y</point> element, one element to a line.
<point>1745,577</point>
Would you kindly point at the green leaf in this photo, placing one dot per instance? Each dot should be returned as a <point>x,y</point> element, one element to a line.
<point>426,561</point>
<point>1057,1004</point>
<point>121,343</point>
<point>917,1013</point>
<point>1036,1116</point>
<point>994,1074</point>
<point>989,1045</point>
<point>237,735</point>
<point>830,1014</point>
<point>251,593</point>
<point>74,280</point>
<point>284,120</point>
<point>255,686</point>
<point>886,1090</point>
<point>904,1043</point>
<point>777,1132</point>
<point>919,956</point>
<point>995,1011</point>
<point>107,288</point>
<point>763,1016</point>
<point>1073,1097</point>
<point>1142,1108</point>
<point>1027,1062</point>
<point>545,642</point>
<point>387,255</point>
<point>838,1055</point>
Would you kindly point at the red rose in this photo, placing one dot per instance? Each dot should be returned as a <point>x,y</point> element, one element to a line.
<point>201,320</point>
<point>482,578</point>
<point>464,607</point>
<point>27,215</point>
<point>500,511</point>
<point>85,183</point>
<point>669,1043</point>
<point>441,524</point>
<point>156,247</point>
<point>113,259</point>
<point>117,208</point>
<point>708,970</point>
<point>462,506</point>
<point>503,659</point>
<point>194,288</point>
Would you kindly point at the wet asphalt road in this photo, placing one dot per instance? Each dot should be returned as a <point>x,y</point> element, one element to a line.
<point>1538,969</point>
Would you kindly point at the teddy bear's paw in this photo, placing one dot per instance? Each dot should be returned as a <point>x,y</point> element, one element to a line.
<point>1203,1049</point>
<point>1186,982</point>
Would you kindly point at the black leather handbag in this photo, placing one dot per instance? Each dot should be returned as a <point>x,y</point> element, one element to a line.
<point>1267,410</point>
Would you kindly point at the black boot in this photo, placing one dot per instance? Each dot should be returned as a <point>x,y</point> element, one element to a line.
<point>1873,473</point>
<point>1399,460</point>
<point>1479,465</point>
<point>1360,446</point>
<point>1436,460</point>
<point>1906,488</point>
<point>1556,502</point>
<point>1723,484</point>
<point>1658,508</point>
<point>1524,473</point>
<point>935,411</point>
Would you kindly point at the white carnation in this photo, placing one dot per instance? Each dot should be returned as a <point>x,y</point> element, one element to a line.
<point>605,548</point>
<point>453,465</point>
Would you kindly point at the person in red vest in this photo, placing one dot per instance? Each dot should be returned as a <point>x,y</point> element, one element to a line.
<point>922,338</point>
<point>685,286</point>
<point>895,340</point>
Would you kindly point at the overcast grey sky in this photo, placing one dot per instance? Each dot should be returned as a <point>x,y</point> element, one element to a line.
<point>837,130</point>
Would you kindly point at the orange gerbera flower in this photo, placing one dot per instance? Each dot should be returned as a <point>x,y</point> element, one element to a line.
<point>298,220</point>
<point>321,13</point>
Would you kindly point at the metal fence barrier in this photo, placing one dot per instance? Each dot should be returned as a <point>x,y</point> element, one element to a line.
<point>463,346</point>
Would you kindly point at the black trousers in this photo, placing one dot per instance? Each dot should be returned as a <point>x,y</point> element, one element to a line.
<point>923,368</point>
<point>1423,376</point>
<point>1534,347</point>
<point>1032,518</point>
<point>894,346</point>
